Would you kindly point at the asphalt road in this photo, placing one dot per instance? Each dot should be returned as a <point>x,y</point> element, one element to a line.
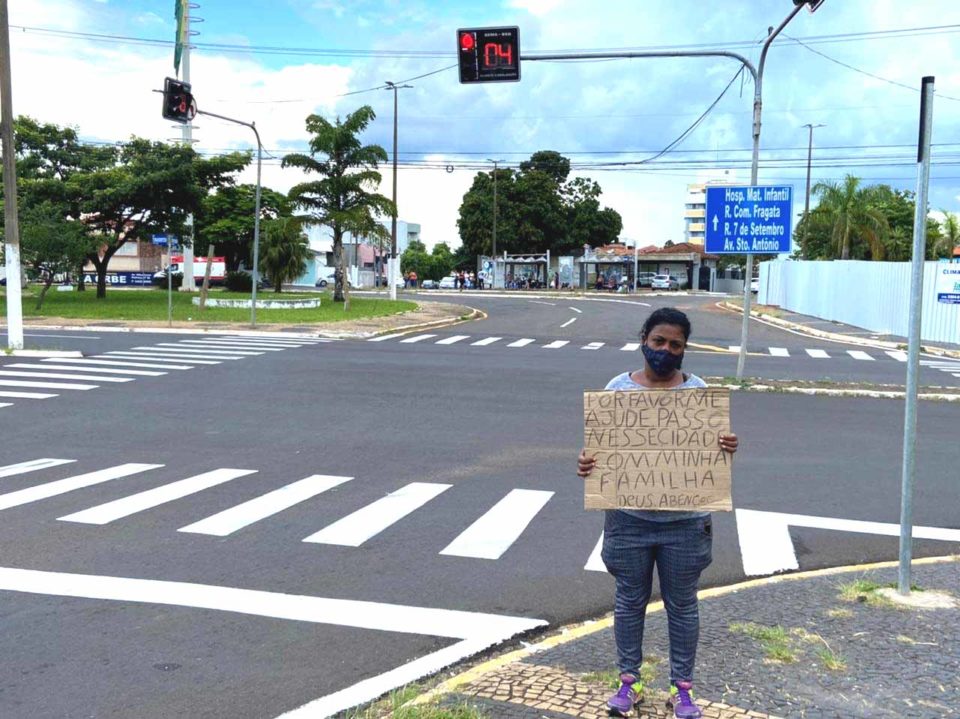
<point>459,428</point>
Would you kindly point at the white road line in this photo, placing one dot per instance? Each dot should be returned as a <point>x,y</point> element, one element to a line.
<point>818,354</point>
<point>64,375</point>
<point>568,322</point>
<point>208,349</point>
<point>355,529</point>
<point>27,395</point>
<point>201,344</point>
<point>556,344</point>
<point>117,363</point>
<point>630,347</point>
<point>62,486</point>
<point>452,340</point>
<point>734,348</point>
<point>73,368</point>
<point>859,355</point>
<point>320,610</point>
<point>955,374</point>
<point>485,341</point>
<point>579,312</point>
<point>416,338</point>
<point>592,346</point>
<point>779,352</point>
<point>269,341</point>
<point>898,355</point>
<point>6,404</point>
<point>493,533</point>
<point>212,354</point>
<point>522,343</point>
<point>32,466</point>
<point>124,507</point>
<point>595,562</point>
<point>156,358</point>
<point>230,520</point>
<point>383,338</point>
<point>46,385</point>
<point>538,302</point>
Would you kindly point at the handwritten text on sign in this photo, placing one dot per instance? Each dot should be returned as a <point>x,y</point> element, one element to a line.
<point>657,449</point>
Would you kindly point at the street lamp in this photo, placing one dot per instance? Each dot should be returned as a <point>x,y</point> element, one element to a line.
<point>391,275</point>
<point>806,204</point>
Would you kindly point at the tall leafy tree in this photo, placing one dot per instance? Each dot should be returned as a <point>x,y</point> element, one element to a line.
<point>949,234</point>
<point>284,251</point>
<point>853,216</point>
<point>344,197</point>
<point>151,188</point>
<point>226,219</point>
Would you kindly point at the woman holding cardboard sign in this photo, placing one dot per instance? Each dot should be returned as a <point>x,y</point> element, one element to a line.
<point>679,543</point>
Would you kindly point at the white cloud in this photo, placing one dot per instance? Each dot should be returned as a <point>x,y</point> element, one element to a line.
<point>536,7</point>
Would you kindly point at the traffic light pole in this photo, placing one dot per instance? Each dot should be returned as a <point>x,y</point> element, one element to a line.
<point>187,135</point>
<point>256,211</point>
<point>757,108</point>
<point>12,233</point>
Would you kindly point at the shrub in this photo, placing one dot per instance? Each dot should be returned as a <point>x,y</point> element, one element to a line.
<point>238,282</point>
<point>176,282</point>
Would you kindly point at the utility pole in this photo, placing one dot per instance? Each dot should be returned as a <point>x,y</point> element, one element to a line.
<point>493,252</point>
<point>392,267</point>
<point>806,204</point>
<point>189,285</point>
<point>12,233</point>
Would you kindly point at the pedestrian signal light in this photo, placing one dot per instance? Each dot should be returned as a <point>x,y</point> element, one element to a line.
<point>178,103</point>
<point>489,54</point>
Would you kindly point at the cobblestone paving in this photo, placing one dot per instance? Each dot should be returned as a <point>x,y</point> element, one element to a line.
<point>889,661</point>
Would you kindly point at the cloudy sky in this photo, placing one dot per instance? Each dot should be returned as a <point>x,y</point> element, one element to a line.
<point>94,64</point>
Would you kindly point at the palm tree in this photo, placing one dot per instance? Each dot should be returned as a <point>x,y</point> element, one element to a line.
<point>344,196</point>
<point>950,238</point>
<point>284,250</point>
<point>852,215</point>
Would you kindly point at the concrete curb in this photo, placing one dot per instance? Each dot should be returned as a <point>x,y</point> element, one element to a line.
<point>173,330</point>
<point>828,392</point>
<point>475,314</point>
<point>51,354</point>
<point>835,336</point>
<point>578,631</point>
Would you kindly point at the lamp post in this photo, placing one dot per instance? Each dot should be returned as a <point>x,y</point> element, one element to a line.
<point>391,273</point>
<point>806,204</point>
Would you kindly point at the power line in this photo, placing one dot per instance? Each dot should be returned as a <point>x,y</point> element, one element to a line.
<point>399,82</point>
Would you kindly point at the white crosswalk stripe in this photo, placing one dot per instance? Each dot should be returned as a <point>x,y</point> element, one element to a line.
<point>63,375</point>
<point>557,344</point>
<point>105,513</point>
<point>116,363</point>
<point>630,347</point>
<point>592,346</point>
<point>452,340</point>
<point>384,338</point>
<point>32,466</point>
<point>186,352</point>
<point>859,355</point>
<point>102,370</point>
<point>818,354</point>
<point>486,341</point>
<point>242,515</point>
<point>595,562</point>
<point>493,533</point>
<point>216,345</point>
<point>522,343</point>
<point>158,358</point>
<point>208,350</point>
<point>27,395</point>
<point>355,529</point>
<point>898,355</point>
<point>416,338</point>
<point>46,385</point>
<point>62,486</point>
<point>779,352</point>
<point>6,404</point>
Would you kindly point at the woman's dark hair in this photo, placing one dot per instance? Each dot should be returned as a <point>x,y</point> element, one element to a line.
<point>666,316</point>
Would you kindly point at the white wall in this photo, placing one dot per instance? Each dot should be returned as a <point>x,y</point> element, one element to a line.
<point>872,295</point>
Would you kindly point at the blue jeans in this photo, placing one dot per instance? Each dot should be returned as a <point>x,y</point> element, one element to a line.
<point>681,550</point>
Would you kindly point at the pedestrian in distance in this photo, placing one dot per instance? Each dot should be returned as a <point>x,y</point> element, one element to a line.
<point>678,544</point>
<point>462,279</point>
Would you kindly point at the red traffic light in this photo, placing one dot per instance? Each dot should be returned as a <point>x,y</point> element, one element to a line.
<point>467,42</point>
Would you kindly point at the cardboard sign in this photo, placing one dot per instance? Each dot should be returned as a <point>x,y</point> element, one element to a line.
<point>657,450</point>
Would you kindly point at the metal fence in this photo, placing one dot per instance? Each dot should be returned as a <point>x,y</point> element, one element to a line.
<point>872,295</point>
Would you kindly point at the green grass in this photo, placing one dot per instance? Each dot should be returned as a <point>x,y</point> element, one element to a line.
<point>611,677</point>
<point>865,592</point>
<point>774,640</point>
<point>392,706</point>
<point>150,305</point>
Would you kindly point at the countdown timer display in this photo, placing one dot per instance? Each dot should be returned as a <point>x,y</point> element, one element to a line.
<point>489,54</point>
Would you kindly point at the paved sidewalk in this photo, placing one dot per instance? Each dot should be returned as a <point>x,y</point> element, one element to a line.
<point>823,644</point>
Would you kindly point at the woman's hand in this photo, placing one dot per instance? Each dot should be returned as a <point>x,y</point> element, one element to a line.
<point>729,442</point>
<point>585,464</point>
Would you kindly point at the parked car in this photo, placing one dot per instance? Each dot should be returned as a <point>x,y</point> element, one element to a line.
<point>755,285</point>
<point>330,280</point>
<point>448,283</point>
<point>665,282</point>
<point>429,285</point>
<point>645,279</point>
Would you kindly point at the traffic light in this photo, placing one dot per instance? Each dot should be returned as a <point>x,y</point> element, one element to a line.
<point>490,54</point>
<point>178,102</point>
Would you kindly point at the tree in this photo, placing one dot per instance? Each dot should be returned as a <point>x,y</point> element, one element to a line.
<point>344,197</point>
<point>51,244</point>
<point>853,217</point>
<point>226,219</point>
<point>284,251</point>
<point>549,162</point>
<point>949,234</point>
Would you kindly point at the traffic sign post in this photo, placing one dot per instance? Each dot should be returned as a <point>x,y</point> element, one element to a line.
<point>748,219</point>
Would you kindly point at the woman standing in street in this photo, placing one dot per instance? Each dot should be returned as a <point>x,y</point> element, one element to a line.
<point>679,544</point>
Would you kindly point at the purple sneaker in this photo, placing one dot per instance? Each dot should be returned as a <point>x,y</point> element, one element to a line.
<point>681,701</point>
<point>627,697</point>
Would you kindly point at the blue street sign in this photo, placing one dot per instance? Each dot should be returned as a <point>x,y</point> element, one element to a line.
<point>159,240</point>
<point>748,218</point>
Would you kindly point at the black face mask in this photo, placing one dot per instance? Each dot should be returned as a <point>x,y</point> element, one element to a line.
<point>662,362</point>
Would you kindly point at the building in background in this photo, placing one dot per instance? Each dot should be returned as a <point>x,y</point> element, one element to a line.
<point>695,208</point>
<point>363,256</point>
